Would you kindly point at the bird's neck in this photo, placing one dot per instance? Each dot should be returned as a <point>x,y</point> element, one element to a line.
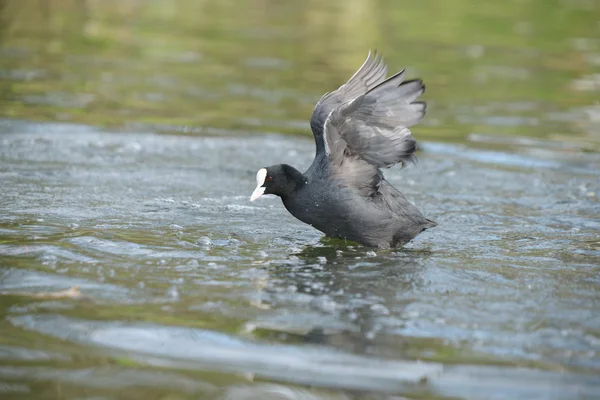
<point>294,181</point>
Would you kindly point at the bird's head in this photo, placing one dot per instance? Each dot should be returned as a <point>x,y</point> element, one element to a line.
<point>280,180</point>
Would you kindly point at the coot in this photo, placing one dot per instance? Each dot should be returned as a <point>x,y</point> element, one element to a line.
<point>359,128</point>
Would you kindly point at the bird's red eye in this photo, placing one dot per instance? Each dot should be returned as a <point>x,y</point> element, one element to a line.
<point>270,178</point>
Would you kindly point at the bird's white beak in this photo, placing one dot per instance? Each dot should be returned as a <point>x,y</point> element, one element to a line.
<point>261,175</point>
<point>259,191</point>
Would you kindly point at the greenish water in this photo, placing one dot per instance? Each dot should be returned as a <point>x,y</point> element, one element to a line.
<point>130,134</point>
<point>255,66</point>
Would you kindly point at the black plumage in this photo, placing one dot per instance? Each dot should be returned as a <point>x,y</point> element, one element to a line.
<point>358,129</point>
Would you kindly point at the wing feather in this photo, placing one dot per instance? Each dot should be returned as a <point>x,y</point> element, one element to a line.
<point>368,76</point>
<point>371,131</point>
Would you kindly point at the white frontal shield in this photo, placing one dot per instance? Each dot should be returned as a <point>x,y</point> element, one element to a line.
<point>261,175</point>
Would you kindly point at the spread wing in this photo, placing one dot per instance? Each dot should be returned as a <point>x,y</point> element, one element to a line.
<point>369,75</point>
<point>371,131</point>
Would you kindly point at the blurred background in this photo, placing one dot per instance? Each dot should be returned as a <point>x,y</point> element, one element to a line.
<point>133,266</point>
<point>256,66</point>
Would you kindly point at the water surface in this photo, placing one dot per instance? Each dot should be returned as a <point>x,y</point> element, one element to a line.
<point>129,141</point>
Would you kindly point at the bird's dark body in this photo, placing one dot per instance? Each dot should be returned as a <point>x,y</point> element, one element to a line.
<point>358,129</point>
<point>385,219</point>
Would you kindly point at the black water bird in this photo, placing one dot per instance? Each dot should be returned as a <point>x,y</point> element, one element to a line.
<point>359,128</point>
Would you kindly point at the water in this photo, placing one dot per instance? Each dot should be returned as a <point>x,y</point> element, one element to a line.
<point>129,140</point>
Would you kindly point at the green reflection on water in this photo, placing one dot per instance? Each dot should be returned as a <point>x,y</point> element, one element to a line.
<point>509,67</point>
<point>221,67</point>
